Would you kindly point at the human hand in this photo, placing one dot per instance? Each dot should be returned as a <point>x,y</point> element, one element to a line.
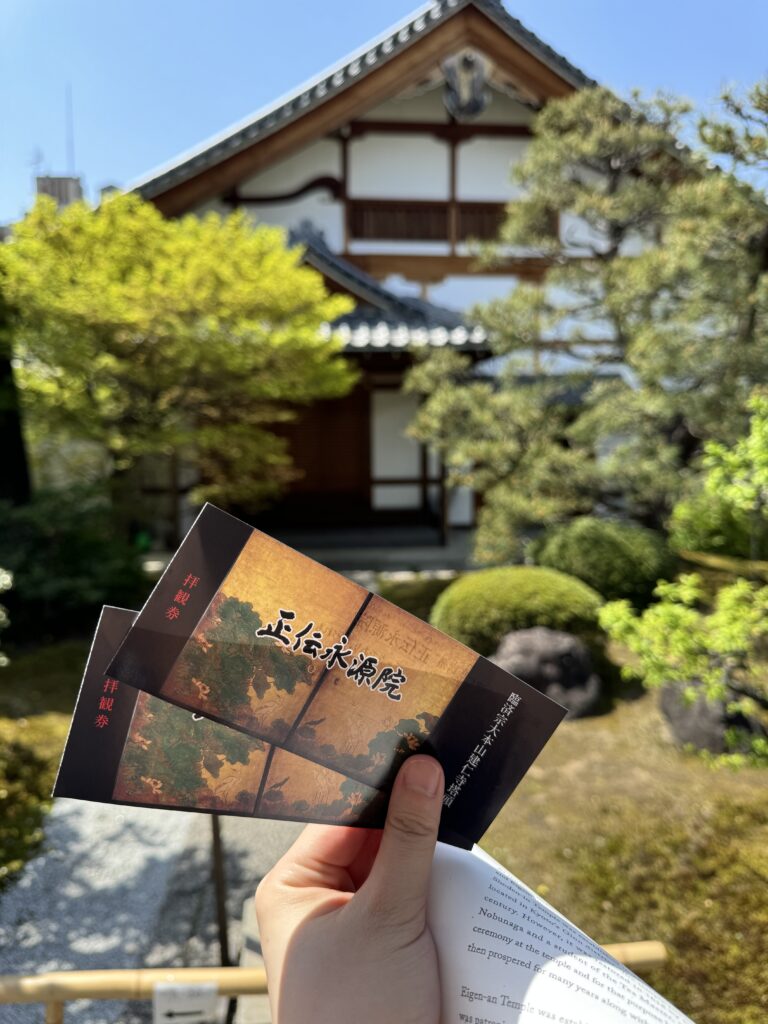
<point>342,915</point>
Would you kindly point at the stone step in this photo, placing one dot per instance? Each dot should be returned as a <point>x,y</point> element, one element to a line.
<point>251,1009</point>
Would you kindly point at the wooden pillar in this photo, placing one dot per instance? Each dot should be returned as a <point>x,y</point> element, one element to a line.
<point>424,473</point>
<point>453,210</point>
<point>344,192</point>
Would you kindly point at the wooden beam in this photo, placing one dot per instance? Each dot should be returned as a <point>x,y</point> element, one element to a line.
<point>431,269</point>
<point>449,130</point>
<point>327,182</point>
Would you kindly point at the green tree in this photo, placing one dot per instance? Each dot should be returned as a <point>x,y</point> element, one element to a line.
<point>738,474</point>
<point>703,344</point>
<point>605,169</point>
<point>642,341</point>
<point>675,641</point>
<point>152,337</point>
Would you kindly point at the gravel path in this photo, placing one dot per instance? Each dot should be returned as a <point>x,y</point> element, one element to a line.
<point>126,887</point>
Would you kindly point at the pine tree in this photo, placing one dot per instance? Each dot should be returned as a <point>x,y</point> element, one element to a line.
<point>642,340</point>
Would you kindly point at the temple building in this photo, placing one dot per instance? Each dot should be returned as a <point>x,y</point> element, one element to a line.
<point>387,167</point>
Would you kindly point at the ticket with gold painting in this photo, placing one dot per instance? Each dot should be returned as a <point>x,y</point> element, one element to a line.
<point>256,636</point>
<point>127,747</point>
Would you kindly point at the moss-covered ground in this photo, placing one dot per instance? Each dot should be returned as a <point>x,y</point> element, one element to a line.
<point>632,839</point>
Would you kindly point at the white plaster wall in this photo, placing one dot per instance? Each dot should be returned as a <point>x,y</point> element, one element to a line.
<point>398,166</point>
<point>318,158</point>
<point>503,109</point>
<point>395,455</point>
<point>461,292</point>
<point>429,106</point>
<point>403,248</point>
<point>578,236</point>
<point>326,214</point>
<point>401,285</point>
<point>483,168</point>
<point>212,206</point>
<point>460,507</point>
<point>426,106</point>
<point>392,453</point>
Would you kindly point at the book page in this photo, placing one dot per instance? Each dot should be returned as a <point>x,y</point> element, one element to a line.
<point>507,956</point>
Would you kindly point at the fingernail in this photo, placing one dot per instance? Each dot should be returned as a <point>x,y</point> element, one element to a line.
<point>422,775</point>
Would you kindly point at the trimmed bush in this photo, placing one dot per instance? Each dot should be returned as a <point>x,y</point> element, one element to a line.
<point>416,595</point>
<point>481,607</point>
<point>619,560</point>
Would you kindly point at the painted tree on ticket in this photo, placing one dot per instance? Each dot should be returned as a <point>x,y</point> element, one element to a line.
<point>227,670</point>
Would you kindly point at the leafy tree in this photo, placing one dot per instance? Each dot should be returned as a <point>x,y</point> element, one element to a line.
<point>152,337</point>
<point>739,474</point>
<point>641,342</point>
<point>675,641</point>
<point>704,522</point>
<point>703,344</point>
<point>526,440</point>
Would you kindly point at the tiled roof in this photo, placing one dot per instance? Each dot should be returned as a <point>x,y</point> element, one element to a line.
<point>382,335</point>
<point>337,78</point>
<point>382,319</point>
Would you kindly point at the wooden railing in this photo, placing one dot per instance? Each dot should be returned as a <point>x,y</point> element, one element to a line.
<point>57,988</point>
<point>413,220</point>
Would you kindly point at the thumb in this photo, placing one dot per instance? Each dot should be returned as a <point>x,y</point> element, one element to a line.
<point>397,886</point>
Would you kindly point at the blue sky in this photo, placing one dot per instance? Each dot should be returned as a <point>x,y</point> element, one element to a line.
<point>151,78</point>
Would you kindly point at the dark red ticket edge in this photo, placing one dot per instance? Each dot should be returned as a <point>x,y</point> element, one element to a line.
<point>94,747</point>
<point>207,553</point>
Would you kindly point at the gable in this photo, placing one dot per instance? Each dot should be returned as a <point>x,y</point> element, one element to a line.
<point>525,74</point>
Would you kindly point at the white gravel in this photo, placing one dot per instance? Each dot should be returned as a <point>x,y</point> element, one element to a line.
<point>91,897</point>
<point>120,887</point>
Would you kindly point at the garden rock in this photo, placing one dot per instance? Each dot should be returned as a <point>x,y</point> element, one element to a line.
<point>558,664</point>
<point>703,723</point>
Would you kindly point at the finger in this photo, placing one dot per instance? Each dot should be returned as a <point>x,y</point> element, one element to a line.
<point>397,886</point>
<point>321,856</point>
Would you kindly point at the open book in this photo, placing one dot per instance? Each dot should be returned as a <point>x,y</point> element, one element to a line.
<point>507,957</point>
